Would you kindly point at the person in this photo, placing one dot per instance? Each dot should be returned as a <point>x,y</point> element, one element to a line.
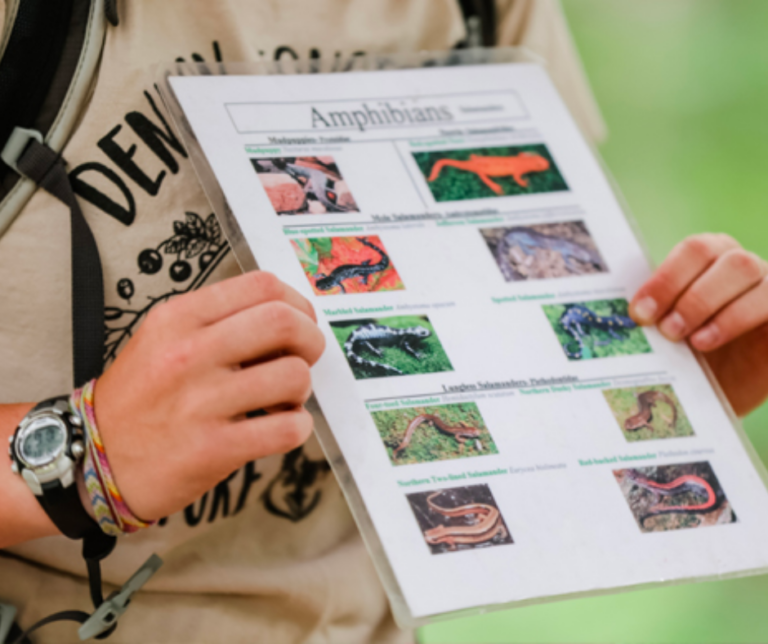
<point>257,538</point>
<point>714,293</point>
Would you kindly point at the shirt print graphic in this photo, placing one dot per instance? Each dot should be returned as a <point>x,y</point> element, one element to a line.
<point>182,260</point>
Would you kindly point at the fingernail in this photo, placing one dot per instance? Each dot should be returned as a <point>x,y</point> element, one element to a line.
<point>706,338</point>
<point>645,309</point>
<point>673,326</point>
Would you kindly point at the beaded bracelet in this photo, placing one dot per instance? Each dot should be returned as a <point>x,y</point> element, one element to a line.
<point>112,513</point>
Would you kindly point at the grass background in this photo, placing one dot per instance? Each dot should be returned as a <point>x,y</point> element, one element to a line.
<point>433,357</point>
<point>428,443</point>
<point>684,90</point>
<point>623,404</point>
<point>635,341</point>
<point>454,185</point>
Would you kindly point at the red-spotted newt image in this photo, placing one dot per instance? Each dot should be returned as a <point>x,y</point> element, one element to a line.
<point>672,497</point>
<point>477,173</point>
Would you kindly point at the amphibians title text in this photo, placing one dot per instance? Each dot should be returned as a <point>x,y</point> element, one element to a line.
<point>382,113</point>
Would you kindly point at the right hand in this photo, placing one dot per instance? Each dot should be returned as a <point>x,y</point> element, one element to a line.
<point>171,408</point>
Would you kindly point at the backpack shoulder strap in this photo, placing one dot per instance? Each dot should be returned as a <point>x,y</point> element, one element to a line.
<point>59,42</point>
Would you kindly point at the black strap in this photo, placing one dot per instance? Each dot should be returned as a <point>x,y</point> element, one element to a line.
<point>65,508</point>
<point>485,12</point>
<point>29,63</point>
<point>95,548</point>
<point>46,169</point>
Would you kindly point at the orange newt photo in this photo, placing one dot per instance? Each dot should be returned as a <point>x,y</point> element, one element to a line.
<point>477,173</point>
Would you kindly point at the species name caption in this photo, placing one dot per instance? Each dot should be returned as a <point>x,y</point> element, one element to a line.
<point>474,474</point>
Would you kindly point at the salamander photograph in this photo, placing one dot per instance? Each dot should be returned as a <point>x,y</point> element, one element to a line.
<point>648,412</point>
<point>459,518</point>
<point>596,329</point>
<point>393,346</point>
<point>438,433</point>
<point>672,497</point>
<point>477,173</point>
<point>544,251</point>
<point>336,265</point>
<point>304,185</point>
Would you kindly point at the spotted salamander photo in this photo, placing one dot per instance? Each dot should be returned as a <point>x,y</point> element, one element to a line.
<point>596,329</point>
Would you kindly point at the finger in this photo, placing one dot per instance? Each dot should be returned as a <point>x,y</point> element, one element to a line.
<point>273,385</point>
<point>226,298</point>
<point>733,273</point>
<point>685,263</point>
<point>270,329</point>
<point>739,317</point>
<point>255,438</point>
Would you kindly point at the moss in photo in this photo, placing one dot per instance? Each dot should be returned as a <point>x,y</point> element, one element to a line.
<point>382,334</point>
<point>427,442</point>
<point>511,173</point>
<point>649,412</point>
<point>594,342</point>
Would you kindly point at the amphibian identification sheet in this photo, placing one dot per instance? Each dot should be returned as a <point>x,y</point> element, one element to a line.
<point>513,434</point>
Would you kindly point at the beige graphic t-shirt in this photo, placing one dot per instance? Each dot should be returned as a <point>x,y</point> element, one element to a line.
<point>271,554</point>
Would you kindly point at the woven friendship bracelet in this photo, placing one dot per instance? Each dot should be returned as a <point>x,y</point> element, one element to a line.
<point>112,514</point>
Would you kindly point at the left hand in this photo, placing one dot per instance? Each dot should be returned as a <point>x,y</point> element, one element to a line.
<point>714,293</point>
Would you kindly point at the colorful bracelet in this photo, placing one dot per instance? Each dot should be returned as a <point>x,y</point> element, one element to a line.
<point>112,513</point>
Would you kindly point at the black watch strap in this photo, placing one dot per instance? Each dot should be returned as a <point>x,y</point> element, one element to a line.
<point>65,508</point>
<point>63,504</point>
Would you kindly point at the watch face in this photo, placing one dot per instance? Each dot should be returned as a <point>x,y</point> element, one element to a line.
<point>42,441</point>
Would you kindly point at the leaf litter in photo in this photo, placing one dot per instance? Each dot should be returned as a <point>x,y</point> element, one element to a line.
<point>336,265</point>
<point>543,251</point>
<point>673,497</point>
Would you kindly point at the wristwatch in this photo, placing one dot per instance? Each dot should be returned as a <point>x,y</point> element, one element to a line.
<point>46,450</point>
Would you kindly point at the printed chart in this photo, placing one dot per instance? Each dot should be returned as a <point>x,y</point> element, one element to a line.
<point>512,433</point>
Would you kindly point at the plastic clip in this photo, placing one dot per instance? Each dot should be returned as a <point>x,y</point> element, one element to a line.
<point>7,615</point>
<point>16,144</point>
<point>117,603</point>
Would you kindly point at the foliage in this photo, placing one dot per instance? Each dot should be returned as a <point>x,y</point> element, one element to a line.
<point>598,343</point>
<point>433,357</point>
<point>453,184</point>
<point>623,404</point>
<point>428,443</point>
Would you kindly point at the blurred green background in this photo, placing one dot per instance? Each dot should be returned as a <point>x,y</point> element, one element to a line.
<point>683,86</point>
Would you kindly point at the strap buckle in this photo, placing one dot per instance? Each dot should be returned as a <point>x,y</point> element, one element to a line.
<point>7,616</point>
<point>16,145</point>
<point>105,616</point>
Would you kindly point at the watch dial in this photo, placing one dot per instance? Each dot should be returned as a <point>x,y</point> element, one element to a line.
<point>43,443</point>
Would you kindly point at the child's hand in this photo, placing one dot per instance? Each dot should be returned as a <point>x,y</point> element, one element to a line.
<point>713,292</point>
<point>172,407</point>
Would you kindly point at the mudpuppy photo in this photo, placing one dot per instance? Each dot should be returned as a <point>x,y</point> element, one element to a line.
<point>335,265</point>
<point>543,251</point>
<point>477,173</point>
<point>459,518</point>
<point>437,433</point>
<point>596,329</point>
<point>304,185</point>
<point>672,497</point>
<point>648,412</point>
<point>393,346</point>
